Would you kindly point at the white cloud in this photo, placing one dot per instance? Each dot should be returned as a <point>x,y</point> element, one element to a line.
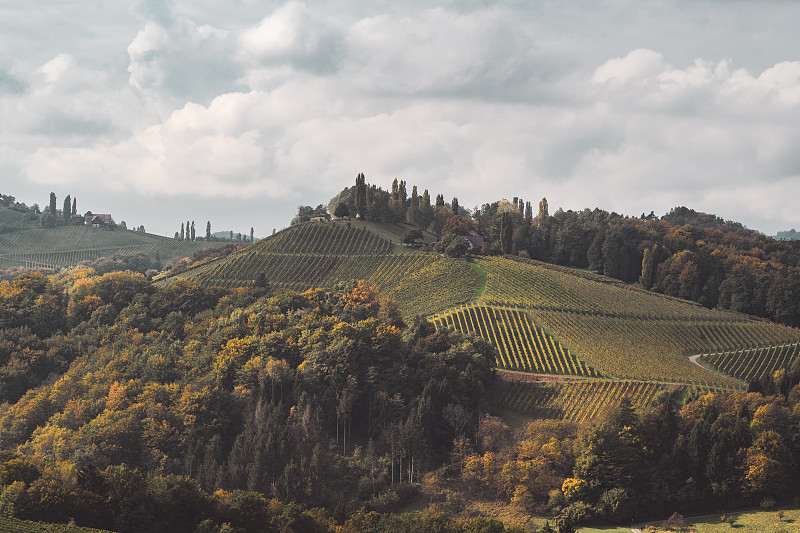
<point>287,102</point>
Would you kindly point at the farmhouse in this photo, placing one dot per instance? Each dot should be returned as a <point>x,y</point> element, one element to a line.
<point>97,221</point>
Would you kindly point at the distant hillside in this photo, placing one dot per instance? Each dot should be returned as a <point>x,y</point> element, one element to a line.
<point>68,245</point>
<point>790,235</point>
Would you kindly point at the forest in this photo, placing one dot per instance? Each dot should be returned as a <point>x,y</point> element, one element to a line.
<point>132,407</point>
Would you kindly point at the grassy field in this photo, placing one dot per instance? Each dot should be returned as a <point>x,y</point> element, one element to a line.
<point>755,521</point>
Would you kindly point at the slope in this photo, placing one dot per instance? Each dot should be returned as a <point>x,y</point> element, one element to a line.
<point>68,245</point>
<point>322,254</point>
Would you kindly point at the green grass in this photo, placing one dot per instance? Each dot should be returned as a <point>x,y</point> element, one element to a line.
<point>482,279</point>
<point>761,521</point>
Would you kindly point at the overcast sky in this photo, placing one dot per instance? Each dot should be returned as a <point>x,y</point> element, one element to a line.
<point>238,111</point>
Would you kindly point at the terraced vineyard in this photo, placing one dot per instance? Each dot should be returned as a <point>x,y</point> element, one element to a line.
<point>753,363</point>
<point>578,401</point>
<point>325,238</point>
<point>521,345</point>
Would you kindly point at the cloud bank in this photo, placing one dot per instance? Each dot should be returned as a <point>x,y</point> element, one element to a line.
<point>189,105</point>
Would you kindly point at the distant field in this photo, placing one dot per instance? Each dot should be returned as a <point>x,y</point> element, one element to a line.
<point>69,245</point>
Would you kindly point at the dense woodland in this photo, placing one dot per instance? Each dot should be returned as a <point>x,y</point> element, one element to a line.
<point>687,254</point>
<point>132,407</point>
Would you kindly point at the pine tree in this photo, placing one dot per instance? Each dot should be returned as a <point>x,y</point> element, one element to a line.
<point>66,211</point>
<point>208,230</point>
<point>192,239</point>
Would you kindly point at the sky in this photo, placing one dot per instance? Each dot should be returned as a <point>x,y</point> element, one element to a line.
<point>237,112</point>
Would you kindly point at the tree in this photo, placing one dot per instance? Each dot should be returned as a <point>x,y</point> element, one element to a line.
<point>183,232</point>
<point>412,217</point>
<point>53,203</point>
<point>506,233</point>
<point>455,206</point>
<point>412,236</point>
<point>361,197</point>
<point>66,211</point>
<point>452,245</point>
<point>123,225</point>
<point>252,235</point>
<point>192,239</point>
<point>208,230</point>
<point>74,206</point>
<point>187,230</point>
<point>341,210</point>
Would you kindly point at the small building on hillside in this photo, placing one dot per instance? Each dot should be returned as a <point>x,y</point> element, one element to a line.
<point>97,221</point>
<point>474,240</point>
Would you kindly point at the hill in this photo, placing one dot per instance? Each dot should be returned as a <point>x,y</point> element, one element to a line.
<point>542,318</point>
<point>68,245</point>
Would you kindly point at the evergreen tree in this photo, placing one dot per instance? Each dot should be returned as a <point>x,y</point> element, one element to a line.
<point>192,239</point>
<point>425,210</point>
<point>361,197</point>
<point>177,236</point>
<point>53,203</point>
<point>455,206</point>
<point>187,230</point>
<point>413,210</point>
<point>208,230</point>
<point>403,200</point>
<point>74,206</point>
<point>439,200</point>
<point>183,232</point>
<point>66,211</point>
<point>528,213</point>
<point>252,234</point>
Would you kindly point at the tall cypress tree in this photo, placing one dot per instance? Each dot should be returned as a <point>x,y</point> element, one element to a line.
<point>183,232</point>
<point>74,206</point>
<point>455,206</point>
<point>192,231</point>
<point>361,197</point>
<point>252,234</point>
<point>187,230</point>
<point>53,203</point>
<point>208,230</point>
<point>413,210</point>
<point>67,210</point>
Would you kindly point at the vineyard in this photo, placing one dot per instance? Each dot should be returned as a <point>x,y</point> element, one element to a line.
<point>753,363</point>
<point>577,401</point>
<point>520,344</point>
<point>324,254</point>
<point>69,245</point>
<point>533,285</point>
<point>12,219</point>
